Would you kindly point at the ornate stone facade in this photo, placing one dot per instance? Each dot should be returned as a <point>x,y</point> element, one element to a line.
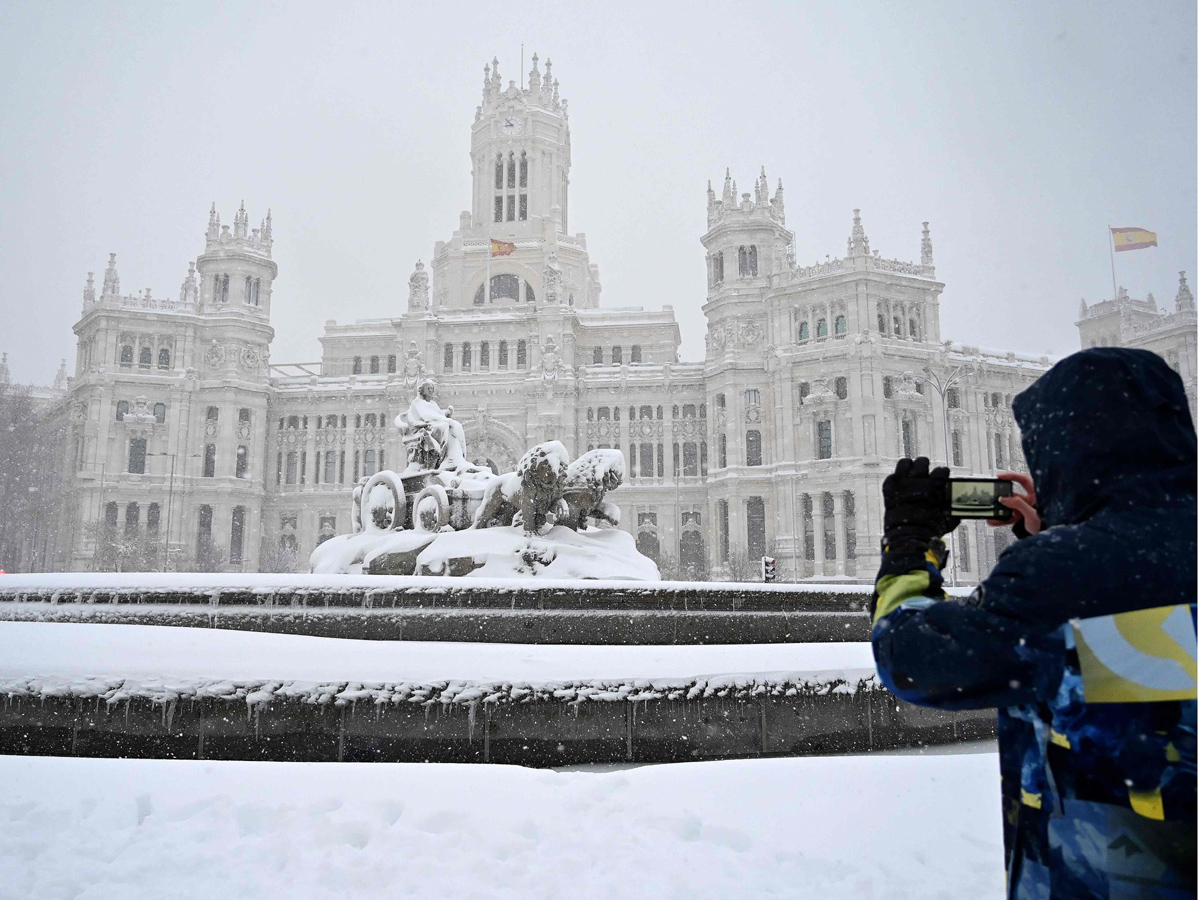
<point>816,378</point>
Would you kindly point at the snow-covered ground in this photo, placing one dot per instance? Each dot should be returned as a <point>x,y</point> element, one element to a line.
<point>835,827</point>
<point>42,648</point>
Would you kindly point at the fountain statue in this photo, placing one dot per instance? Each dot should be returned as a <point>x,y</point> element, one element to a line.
<point>443,515</point>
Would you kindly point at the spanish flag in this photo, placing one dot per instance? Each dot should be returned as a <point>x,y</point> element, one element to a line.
<point>1129,239</point>
<point>502,248</point>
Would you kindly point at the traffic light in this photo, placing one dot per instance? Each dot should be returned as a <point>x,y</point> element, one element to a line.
<point>768,569</point>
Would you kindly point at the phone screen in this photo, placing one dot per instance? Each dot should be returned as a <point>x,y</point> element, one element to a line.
<point>978,498</point>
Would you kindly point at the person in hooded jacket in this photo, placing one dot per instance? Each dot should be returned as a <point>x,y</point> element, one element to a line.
<point>1083,636</point>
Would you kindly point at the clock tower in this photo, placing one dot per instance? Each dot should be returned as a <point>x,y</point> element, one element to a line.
<point>520,155</point>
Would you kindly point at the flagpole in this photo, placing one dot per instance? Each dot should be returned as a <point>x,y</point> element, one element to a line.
<point>1112,261</point>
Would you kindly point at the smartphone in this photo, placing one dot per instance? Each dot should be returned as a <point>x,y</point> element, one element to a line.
<point>978,498</point>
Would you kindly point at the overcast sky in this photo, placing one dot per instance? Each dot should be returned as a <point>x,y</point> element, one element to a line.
<point>1021,131</point>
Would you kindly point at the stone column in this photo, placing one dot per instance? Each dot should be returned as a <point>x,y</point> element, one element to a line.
<point>839,532</point>
<point>818,507</point>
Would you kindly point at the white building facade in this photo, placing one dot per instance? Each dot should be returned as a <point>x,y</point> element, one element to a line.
<point>815,380</point>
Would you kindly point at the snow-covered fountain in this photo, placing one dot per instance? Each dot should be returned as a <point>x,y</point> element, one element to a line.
<point>443,515</point>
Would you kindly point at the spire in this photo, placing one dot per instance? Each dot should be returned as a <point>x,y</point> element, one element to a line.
<point>266,230</point>
<point>60,377</point>
<point>761,190</point>
<point>1184,301</point>
<point>214,224</point>
<point>495,72</point>
<point>535,78</point>
<point>727,194</point>
<point>112,283</point>
<point>712,197</point>
<point>548,81</point>
<point>926,245</point>
<point>4,377</point>
<point>858,244</point>
<point>1083,308</point>
<point>189,291</point>
<point>89,290</point>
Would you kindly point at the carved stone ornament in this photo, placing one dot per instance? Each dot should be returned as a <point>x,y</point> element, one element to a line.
<point>214,355</point>
<point>552,364</point>
<point>752,335</point>
<point>250,358</point>
<point>418,289</point>
<point>753,414</point>
<point>414,368</point>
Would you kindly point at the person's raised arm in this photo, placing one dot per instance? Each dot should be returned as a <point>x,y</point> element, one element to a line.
<point>937,651</point>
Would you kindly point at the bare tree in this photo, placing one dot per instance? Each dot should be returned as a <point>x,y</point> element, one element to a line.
<point>120,549</point>
<point>279,559</point>
<point>209,557</point>
<point>30,443</point>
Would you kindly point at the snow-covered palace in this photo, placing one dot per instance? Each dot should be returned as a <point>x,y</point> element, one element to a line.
<point>815,379</point>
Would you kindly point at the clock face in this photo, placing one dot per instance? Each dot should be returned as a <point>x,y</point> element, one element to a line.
<point>511,126</point>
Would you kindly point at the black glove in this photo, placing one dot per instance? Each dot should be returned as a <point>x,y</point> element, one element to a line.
<point>915,512</point>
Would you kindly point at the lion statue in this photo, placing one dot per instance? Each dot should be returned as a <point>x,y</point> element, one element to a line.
<point>589,478</point>
<point>531,496</point>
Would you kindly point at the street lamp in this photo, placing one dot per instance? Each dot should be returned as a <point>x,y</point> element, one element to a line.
<point>943,385</point>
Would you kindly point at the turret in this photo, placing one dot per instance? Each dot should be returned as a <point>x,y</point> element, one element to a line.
<point>89,291</point>
<point>858,244</point>
<point>1184,301</point>
<point>112,283</point>
<point>235,270</point>
<point>521,155</point>
<point>926,245</point>
<point>747,239</point>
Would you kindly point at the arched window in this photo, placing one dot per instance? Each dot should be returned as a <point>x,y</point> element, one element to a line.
<point>881,324</point>
<point>530,296</point>
<point>635,353</point>
<point>210,460</point>
<point>466,357</point>
<point>839,325</point>
<point>632,413</point>
<point>356,367</point>
<point>803,391</point>
<point>616,356</point>
<point>721,452</point>
<point>896,326</point>
<point>675,412</point>
<point>912,328</point>
<point>888,387</point>
<point>753,259</point>
<point>804,331</point>
<point>502,355</point>
<point>242,461</point>
<point>132,514</point>
<point>658,413</point>
<point>591,414</point>
<point>603,414</point>
<point>506,286</point>
<point>522,355</point>
<point>840,387</point>
<point>127,355</point>
<point>144,357</point>
<point>956,448</point>
<point>448,358</point>
<point>822,328</point>
<point>374,365</point>
<point>499,173</point>
<point>122,410</point>
<point>512,170</point>
<point>164,358</point>
<point>616,414</point>
<point>754,447</point>
<point>953,399</point>
<point>391,363</point>
<point>645,412</point>
<point>598,355</point>
<point>524,170</point>
<point>485,355</point>
<point>908,439</point>
<point>160,413</point>
<point>743,262</point>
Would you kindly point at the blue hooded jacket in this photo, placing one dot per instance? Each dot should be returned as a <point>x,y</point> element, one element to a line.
<point>1083,636</point>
